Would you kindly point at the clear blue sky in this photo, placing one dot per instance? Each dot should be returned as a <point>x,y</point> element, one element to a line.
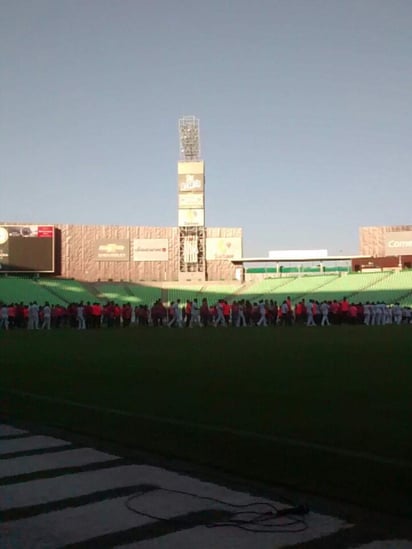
<point>304,108</point>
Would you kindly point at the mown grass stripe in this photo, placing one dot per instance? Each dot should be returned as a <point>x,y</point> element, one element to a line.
<point>366,456</point>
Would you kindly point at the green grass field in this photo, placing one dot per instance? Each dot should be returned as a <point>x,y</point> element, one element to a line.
<point>324,411</point>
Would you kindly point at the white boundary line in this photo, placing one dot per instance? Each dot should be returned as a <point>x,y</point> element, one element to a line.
<point>366,456</point>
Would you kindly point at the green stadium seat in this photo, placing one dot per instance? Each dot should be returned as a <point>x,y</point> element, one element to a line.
<point>69,291</point>
<point>347,285</point>
<point>144,295</point>
<point>115,292</point>
<point>395,288</point>
<point>16,290</point>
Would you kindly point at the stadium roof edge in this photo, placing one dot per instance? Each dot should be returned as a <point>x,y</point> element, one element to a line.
<point>298,259</point>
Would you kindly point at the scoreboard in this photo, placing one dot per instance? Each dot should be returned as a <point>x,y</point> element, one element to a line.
<point>27,248</point>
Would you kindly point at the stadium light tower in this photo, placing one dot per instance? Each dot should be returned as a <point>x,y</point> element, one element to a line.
<point>191,202</point>
<point>189,138</point>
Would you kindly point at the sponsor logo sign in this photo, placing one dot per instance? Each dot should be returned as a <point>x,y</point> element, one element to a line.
<point>150,249</point>
<point>223,248</point>
<point>398,243</point>
<point>191,200</point>
<point>112,250</point>
<point>191,218</point>
<point>26,231</point>
<point>190,183</point>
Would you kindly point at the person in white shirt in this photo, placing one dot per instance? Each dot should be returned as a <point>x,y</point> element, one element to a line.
<point>378,314</point>
<point>241,320</point>
<point>46,316</point>
<point>195,320</point>
<point>172,315</point>
<point>4,317</point>
<point>285,316</point>
<point>397,314</point>
<point>324,309</point>
<point>34,314</point>
<point>309,312</point>
<point>81,322</point>
<point>262,311</point>
<point>176,315</point>
<point>220,319</point>
<point>367,313</point>
<point>179,314</point>
<point>387,314</point>
<point>373,314</point>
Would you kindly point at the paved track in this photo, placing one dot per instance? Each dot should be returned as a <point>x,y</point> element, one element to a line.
<point>54,493</point>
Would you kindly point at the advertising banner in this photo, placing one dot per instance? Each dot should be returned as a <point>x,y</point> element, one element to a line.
<point>191,183</point>
<point>398,243</point>
<point>223,248</point>
<point>191,218</point>
<point>150,249</point>
<point>112,250</point>
<point>191,200</point>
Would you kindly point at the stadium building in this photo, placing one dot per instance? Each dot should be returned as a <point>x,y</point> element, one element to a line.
<point>386,246</point>
<point>190,252</point>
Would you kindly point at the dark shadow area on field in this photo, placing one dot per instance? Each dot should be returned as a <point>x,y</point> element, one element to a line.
<point>346,388</point>
<point>378,486</point>
<point>367,525</point>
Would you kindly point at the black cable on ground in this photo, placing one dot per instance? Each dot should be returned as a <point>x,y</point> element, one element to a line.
<point>268,520</point>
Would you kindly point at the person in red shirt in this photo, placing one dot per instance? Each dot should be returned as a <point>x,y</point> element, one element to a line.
<point>109,314</point>
<point>117,314</point>
<point>204,313</point>
<point>299,313</point>
<point>97,315</point>
<point>12,316</point>
<point>352,313</point>
<point>88,316</point>
<point>344,310</point>
<point>188,313</point>
<point>334,312</point>
<point>226,311</point>
<point>126,314</point>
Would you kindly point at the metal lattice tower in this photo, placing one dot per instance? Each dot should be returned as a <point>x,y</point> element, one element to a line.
<point>189,135</point>
<point>191,203</point>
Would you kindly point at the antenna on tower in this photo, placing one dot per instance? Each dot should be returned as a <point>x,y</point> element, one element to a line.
<point>189,136</point>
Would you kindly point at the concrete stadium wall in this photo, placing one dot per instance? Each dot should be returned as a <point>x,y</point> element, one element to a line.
<point>373,240</point>
<point>78,254</point>
<point>221,269</point>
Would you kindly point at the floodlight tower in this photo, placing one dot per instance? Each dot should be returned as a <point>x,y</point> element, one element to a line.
<point>191,202</point>
<point>189,139</point>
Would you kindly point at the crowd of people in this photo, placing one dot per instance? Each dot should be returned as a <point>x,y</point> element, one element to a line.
<point>194,313</point>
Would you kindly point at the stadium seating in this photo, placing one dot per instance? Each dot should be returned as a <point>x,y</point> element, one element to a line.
<point>184,292</point>
<point>302,286</point>
<point>395,288</point>
<point>144,295</point>
<point>389,287</point>
<point>347,285</point>
<point>15,290</point>
<point>316,269</point>
<point>115,292</point>
<point>214,292</point>
<point>263,289</point>
<point>69,291</point>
